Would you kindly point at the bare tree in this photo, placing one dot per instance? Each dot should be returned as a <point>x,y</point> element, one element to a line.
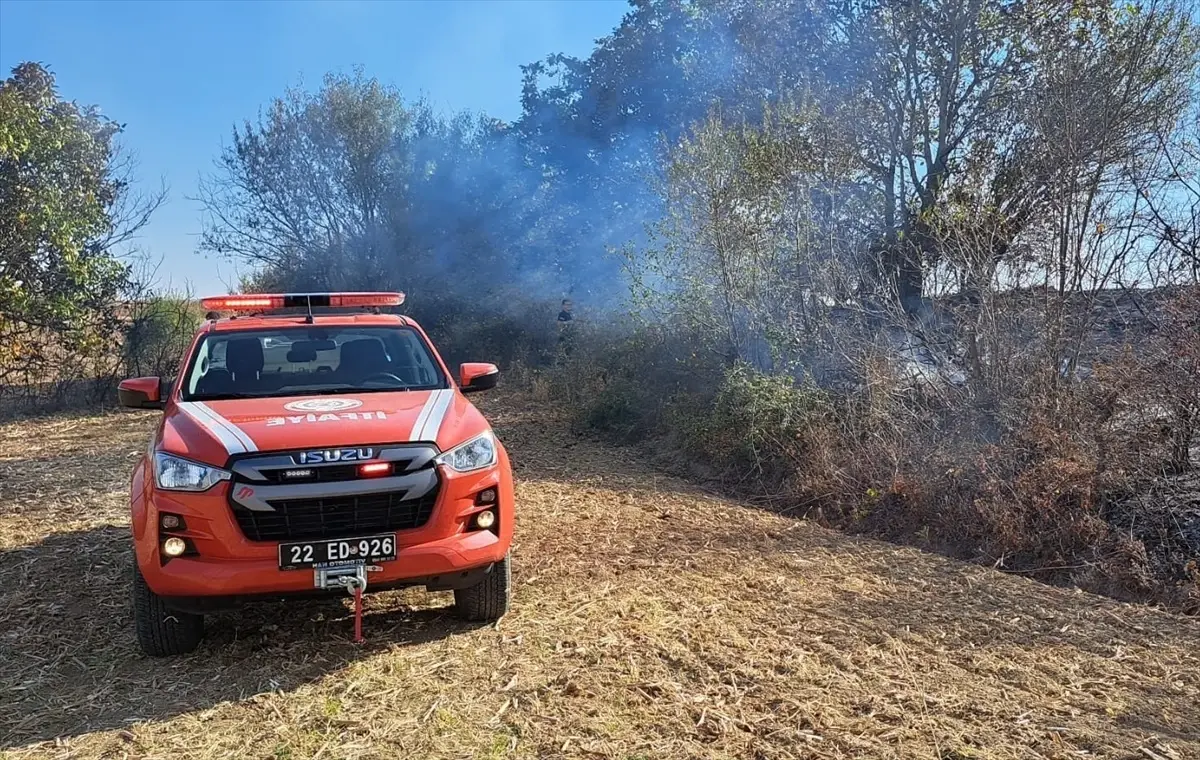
<point>1168,186</point>
<point>1000,106</point>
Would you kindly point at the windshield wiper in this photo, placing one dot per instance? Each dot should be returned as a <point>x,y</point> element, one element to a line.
<point>302,391</point>
<point>222,396</point>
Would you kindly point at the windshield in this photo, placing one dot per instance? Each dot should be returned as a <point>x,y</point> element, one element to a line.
<point>307,360</point>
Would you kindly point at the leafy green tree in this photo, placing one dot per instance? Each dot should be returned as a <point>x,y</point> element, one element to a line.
<point>311,175</point>
<point>599,129</point>
<point>65,205</point>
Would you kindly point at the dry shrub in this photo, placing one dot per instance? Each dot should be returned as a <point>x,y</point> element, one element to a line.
<point>1038,499</point>
<point>1169,373</point>
<point>508,332</point>
<point>156,334</point>
<point>57,369</point>
<point>1027,480</point>
<point>53,367</point>
<point>631,384</point>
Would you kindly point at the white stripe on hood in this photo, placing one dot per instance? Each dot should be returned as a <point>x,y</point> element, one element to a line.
<point>437,414</point>
<point>432,414</point>
<point>233,438</point>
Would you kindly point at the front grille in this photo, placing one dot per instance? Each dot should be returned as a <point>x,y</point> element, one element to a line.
<point>336,517</point>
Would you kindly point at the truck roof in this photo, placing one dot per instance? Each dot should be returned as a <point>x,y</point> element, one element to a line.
<point>266,321</point>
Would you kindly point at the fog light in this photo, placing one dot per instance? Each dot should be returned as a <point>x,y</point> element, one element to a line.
<point>171,522</point>
<point>486,496</point>
<point>174,546</point>
<point>485,520</point>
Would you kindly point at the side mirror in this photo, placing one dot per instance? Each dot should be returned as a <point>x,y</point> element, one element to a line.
<point>142,393</point>
<point>475,377</point>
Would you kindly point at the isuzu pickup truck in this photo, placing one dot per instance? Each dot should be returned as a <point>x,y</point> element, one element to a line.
<point>312,444</point>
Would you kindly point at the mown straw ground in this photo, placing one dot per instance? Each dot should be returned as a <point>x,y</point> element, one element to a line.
<point>650,621</point>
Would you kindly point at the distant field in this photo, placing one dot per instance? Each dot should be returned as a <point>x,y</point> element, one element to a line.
<point>650,621</point>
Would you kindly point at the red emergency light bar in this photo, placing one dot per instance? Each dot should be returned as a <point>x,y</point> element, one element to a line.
<point>265,301</point>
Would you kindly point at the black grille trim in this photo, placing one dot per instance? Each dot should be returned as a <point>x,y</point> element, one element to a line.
<point>327,474</point>
<point>322,473</point>
<point>336,517</point>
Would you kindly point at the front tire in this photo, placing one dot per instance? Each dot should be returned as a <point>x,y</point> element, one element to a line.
<point>162,631</point>
<point>487,600</point>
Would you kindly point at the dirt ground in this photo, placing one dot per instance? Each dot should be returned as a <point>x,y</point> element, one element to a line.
<point>649,621</point>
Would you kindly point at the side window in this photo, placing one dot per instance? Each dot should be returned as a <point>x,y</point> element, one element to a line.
<point>201,367</point>
<point>208,373</point>
<point>416,359</point>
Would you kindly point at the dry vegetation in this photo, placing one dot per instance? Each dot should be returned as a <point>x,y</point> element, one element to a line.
<point>650,621</point>
<point>1080,476</point>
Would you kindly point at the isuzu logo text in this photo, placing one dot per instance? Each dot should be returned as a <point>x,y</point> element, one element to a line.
<point>334,455</point>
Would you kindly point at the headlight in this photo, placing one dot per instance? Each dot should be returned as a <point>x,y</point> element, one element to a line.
<point>475,454</point>
<point>175,474</point>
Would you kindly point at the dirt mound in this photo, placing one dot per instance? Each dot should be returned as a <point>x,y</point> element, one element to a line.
<point>650,621</point>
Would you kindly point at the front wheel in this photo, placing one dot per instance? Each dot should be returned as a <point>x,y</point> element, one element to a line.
<point>162,631</point>
<point>488,599</point>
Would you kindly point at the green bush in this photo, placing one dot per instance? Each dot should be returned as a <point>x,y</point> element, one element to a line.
<point>755,426</point>
<point>623,383</point>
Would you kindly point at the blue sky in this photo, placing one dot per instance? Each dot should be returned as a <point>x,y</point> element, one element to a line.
<point>179,74</point>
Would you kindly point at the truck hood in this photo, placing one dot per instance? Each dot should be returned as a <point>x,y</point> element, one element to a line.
<point>213,431</point>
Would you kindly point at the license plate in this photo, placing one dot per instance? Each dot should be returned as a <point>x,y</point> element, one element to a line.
<point>338,552</point>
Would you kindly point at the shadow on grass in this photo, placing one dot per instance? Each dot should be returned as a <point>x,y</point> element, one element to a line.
<point>72,664</point>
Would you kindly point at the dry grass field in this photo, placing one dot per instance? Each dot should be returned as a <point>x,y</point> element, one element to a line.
<point>650,621</point>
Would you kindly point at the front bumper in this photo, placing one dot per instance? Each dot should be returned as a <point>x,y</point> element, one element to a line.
<point>434,562</point>
<point>204,604</point>
<point>228,565</point>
